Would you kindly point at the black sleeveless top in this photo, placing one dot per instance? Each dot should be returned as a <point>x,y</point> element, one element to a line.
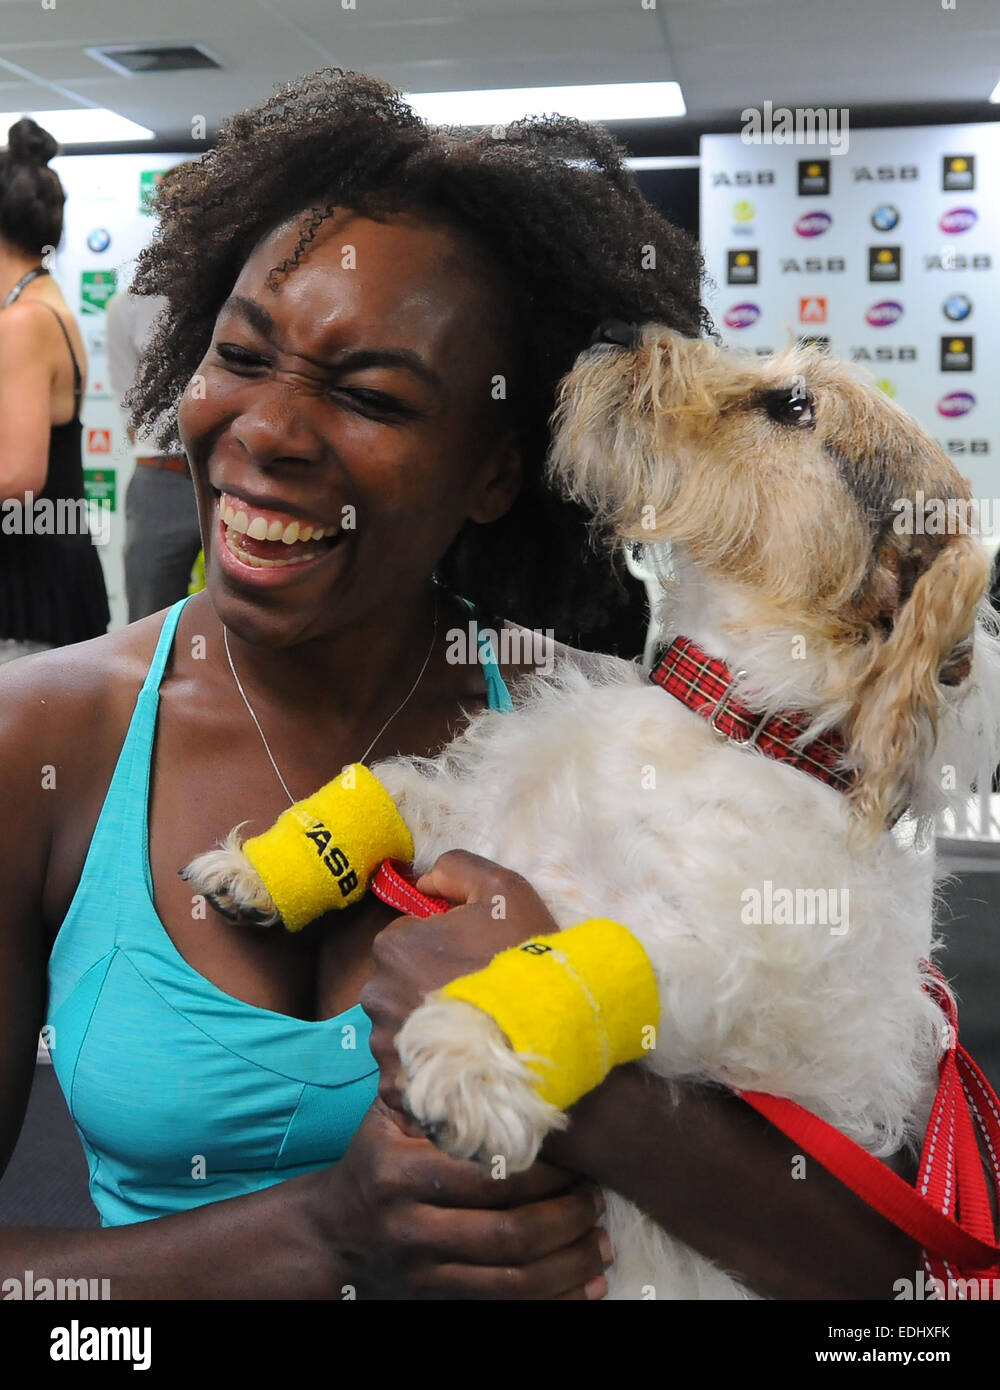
<point>52,586</point>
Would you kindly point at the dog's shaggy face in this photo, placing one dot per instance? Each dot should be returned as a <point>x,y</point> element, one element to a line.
<point>811,492</point>
<point>785,473</point>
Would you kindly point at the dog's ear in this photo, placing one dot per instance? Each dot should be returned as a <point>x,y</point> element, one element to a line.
<point>893,726</point>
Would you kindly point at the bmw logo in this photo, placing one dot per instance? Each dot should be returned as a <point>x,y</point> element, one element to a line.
<point>99,239</point>
<point>885,218</point>
<point>957,307</point>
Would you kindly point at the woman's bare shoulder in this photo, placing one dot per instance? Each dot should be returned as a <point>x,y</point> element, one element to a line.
<point>69,696</point>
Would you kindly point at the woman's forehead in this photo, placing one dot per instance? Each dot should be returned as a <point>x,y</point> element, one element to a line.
<point>360,281</point>
<point>414,244</point>
<point>406,271</point>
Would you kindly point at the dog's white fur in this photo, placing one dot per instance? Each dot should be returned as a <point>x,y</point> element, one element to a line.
<point>562,792</point>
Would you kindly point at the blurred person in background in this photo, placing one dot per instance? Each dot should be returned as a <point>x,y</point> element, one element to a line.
<point>52,589</point>
<point>162,536</point>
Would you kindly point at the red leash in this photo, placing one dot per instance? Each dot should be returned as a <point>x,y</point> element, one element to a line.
<point>947,1212</point>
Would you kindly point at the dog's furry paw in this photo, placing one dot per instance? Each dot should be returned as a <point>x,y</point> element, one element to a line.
<point>472,1093</point>
<point>231,883</point>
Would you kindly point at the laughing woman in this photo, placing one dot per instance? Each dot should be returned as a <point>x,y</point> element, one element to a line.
<point>367,321</point>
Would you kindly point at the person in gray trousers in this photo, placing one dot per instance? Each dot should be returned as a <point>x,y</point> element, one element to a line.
<point>162,538</point>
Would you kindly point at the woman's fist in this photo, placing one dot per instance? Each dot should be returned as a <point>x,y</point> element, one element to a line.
<point>495,909</point>
<point>408,1222</point>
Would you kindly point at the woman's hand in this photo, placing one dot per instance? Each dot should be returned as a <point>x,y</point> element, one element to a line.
<point>497,908</point>
<point>427,1226</point>
<point>408,1222</point>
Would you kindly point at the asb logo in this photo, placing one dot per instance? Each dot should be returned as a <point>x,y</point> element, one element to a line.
<point>741,267</point>
<point>966,446</point>
<point>812,309</point>
<point>886,173</point>
<point>742,178</point>
<point>814,177</point>
<point>813,224</point>
<point>957,307</point>
<point>956,403</point>
<point>98,441</point>
<point>884,218</point>
<point>99,239</point>
<point>957,220</point>
<point>741,315</point>
<point>884,354</point>
<point>951,261</point>
<point>885,263</point>
<point>813,265</point>
<point>956,354</point>
<point>884,313</point>
<point>958,172</point>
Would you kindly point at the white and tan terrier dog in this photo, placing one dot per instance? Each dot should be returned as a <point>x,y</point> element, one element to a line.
<point>859,644</point>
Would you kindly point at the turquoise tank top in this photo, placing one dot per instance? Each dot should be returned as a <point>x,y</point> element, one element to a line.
<point>181,1094</point>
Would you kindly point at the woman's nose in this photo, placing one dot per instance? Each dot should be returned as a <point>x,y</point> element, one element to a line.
<point>275,426</point>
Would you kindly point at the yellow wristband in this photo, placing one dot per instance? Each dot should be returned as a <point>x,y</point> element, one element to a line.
<point>321,852</point>
<point>573,1005</point>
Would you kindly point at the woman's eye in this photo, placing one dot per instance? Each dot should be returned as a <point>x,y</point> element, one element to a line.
<point>368,401</point>
<point>238,356</point>
<point>372,401</point>
<point>793,408</point>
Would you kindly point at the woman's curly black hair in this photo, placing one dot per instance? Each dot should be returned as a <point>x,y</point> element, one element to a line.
<point>565,235</point>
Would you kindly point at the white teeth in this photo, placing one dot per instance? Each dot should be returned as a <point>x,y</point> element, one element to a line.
<point>260,529</point>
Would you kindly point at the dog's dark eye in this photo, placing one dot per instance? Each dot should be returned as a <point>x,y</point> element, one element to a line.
<point>791,407</point>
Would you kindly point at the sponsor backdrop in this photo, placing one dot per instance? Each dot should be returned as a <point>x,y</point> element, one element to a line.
<point>888,254</point>
<point>106,225</point>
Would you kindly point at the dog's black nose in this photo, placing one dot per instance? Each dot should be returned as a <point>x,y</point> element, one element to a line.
<point>615,331</point>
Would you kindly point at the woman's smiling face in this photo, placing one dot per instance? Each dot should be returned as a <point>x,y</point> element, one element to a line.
<point>358,399</point>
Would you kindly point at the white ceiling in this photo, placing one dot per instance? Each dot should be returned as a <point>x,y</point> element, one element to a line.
<point>726,54</point>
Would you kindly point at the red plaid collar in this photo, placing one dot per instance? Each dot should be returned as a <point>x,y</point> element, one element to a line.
<point>703,684</point>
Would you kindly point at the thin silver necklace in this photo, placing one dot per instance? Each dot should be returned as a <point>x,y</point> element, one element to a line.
<point>397,710</point>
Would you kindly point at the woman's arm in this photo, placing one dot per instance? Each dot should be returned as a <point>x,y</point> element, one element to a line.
<point>719,1177</point>
<point>265,1245</point>
<point>709,1169</point>
<point>394,1219</point>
